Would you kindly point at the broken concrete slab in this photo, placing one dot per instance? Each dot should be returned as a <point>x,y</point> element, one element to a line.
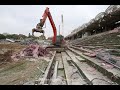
<point>80,59</point>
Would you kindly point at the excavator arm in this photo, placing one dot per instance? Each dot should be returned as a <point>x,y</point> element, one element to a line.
<point>41,24</point>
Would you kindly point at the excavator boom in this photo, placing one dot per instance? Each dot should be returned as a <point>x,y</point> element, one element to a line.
<point>56,40</point>
<point>42,21</point>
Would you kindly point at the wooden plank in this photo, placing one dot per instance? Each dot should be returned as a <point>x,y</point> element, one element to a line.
<point>55,70</point>
<point>68,59</point>
<point>66,68</point>
<point>43,80</point>
<point>80,59</point>
<point>54,77</point>
<point>60,65</point>
<point>72,77</point>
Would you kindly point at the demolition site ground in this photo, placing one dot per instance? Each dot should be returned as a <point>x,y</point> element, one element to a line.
<point>88,61</point>
<point>18,72</point>
<point>89,55</point>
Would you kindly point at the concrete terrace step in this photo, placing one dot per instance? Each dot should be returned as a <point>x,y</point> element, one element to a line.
<point>89,72</point>
<point>112,73</point>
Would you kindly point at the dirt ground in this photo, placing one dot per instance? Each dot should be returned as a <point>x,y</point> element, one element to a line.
<point>19,72</point>
<point>12,46</point>
<point>6,50</point>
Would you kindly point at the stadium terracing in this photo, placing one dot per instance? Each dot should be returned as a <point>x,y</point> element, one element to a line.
<point>102,22</point>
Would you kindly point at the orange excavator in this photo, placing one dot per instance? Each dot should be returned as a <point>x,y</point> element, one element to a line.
<point>56,40</point>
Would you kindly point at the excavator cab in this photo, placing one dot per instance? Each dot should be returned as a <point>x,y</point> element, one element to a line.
<point>59,40</point>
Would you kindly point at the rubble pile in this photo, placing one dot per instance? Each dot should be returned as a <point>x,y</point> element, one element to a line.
<point>105,55</point>
<point>33,50</point>
<point>28,42</point>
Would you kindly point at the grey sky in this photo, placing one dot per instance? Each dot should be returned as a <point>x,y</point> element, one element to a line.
<point>20,19</point>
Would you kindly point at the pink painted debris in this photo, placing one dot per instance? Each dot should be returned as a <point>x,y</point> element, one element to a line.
<point>90,54</point>
<point>90,69</point>
<point>115,30</point>
<point>31,50</point>
<point>107,66</point>
<point>85,50</point>
<point>97,50</point>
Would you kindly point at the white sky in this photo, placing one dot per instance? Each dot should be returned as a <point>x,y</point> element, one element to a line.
<point>20,19</point>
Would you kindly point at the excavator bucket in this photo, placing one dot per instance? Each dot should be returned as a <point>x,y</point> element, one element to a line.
<point>37,30</point>
<point>40,30</point>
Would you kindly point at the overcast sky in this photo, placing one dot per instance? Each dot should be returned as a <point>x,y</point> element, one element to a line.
<point>20,19</point>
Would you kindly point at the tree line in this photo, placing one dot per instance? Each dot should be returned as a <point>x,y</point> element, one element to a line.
<point>13,36</point>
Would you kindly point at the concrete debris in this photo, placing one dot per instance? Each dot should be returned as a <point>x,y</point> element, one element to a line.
<point>115,30</point>
<point>32,59</point>
<point>103,55</point>
<point>4,41</point>
<point>28,41</point>
<point>118,35</point>
<point>10,40</point>
<point>31,51</point>
<point>106,56</point>
<point>58,81</point>
<point>90,69</point>
<point>107,66</point>
<point>85,50</point>
<point>90,54</point>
